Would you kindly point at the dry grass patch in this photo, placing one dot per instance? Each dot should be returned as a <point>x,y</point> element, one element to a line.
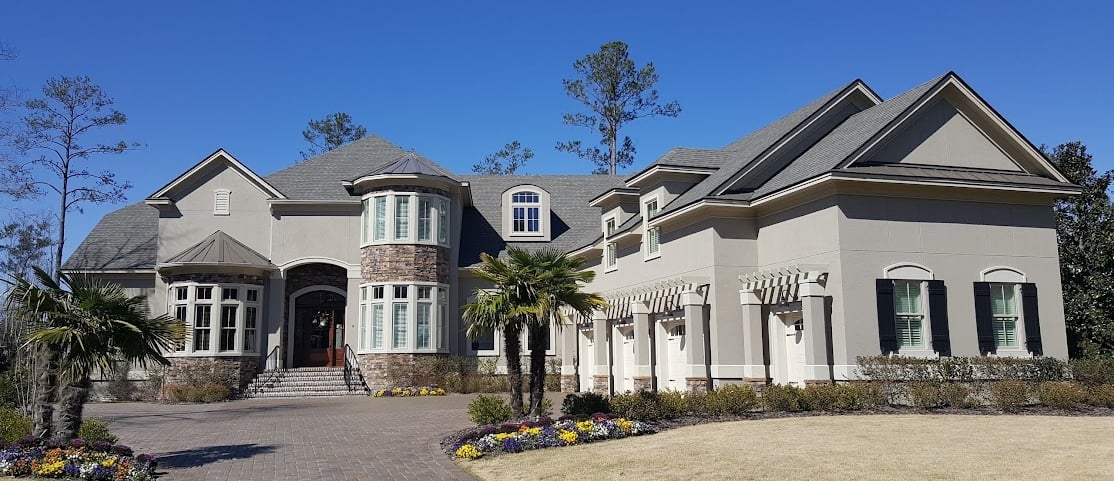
<point>891,447</point>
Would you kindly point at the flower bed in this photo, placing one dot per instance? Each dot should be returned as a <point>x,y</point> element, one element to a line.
<point>409,392</point>
<point>97,461</point>
<point>518,437</point>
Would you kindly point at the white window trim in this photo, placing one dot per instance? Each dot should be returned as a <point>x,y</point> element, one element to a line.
<point>1020,350</point>
<point>552,342</point>
<point>925,349</point>
<point>544,206</point>
<point>388,301</point>
<point>437,202</point>
<point>611,264</point>
<point>216,302</point>
<point>613,219</point>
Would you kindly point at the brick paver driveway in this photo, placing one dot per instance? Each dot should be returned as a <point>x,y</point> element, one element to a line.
<point>353,438</point>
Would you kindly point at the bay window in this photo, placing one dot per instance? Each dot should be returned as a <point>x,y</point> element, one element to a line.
<point>391,217</point>
<point>228,325</point>
<point>417,317</point>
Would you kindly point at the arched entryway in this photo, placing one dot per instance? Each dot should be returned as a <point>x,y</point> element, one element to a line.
<point>319,329</point>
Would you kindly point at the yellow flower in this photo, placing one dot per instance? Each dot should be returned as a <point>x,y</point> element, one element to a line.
<point>502,436</point>
<point>624,425</point>
<point>110,462</point>
<point>468,451</point>
<point>424,392</point>
<point>585,426</point>
<point>569,437</point>
<point>50,469</point>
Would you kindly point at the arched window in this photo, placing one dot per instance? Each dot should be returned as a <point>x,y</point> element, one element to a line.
<point>526,213</point>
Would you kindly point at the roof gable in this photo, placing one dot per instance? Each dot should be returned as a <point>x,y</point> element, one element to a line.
<point>181,184</point>
<point>981,116</point>
<point>320,178</point>
<point>219,249</point>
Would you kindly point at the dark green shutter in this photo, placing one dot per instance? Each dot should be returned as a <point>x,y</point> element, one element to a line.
<point>887,331</point>
<point>1032,318</point>
<point>983,317</point>
<point>938,310</point>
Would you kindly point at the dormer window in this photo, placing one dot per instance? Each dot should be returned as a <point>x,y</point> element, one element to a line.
<point>526,208</point>
<point>526,213</point>
<point>221,201</point>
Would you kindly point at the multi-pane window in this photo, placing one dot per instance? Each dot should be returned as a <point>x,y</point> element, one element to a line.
<point>400,321</point>
<point>443,221</point>
<point>909,314</point>
<point>611,255</point>
<point>609,227</point>
<point>405,216</point>
<point>227,328</point>
<point>380,227</point>
<point>402,218</point>
<point>397,310</point>
<point>250,327</point>
<point>233,320</point>
<point>526,212</point>
<point>653,234</point>
<point>202,327</point>
<point>1003,309</point>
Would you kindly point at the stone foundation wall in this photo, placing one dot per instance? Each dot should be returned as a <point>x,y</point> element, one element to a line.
<point>570,383</point>
<point>696,384</point>
<point>378,368</point>
<point>601,383</point>
<point>643,383</point>
<point>237,371</point>
<point>405,262</point>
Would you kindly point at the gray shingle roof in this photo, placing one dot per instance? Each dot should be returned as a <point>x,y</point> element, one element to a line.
<point>845,139</point>
<point>124,239</point>
<point>740,153</point>
<point>574,223</point>
<point>220,249</point>
<point>411,163</point>
<point>688,157</point>
<point>320,178</point>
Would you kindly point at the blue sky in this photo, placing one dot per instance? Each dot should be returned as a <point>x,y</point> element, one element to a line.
<point>457,80</point>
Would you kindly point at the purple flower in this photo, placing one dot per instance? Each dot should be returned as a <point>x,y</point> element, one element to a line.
<point>508,428</point>
<point>512,445</point>
<point>77,442</point>
<point>122,450</point>
<point>544,421</point>
<point>29,441</point>
<point>101,445</point>
<point>485,430</point>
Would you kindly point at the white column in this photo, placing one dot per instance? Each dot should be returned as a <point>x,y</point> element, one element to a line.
<point>601,378</point>
<point>641,375</point>
<point>816,335</point>
<point>697,375</point>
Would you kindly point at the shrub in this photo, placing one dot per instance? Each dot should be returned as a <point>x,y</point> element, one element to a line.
<point>1102,396</point>
<point>925,394</point>
<point>118,385</point>
<point>731,400</point>
<point>819,397</point>
<point>1009,395</point>
<point>14,425</point>
<point>859,395</point>
<point>956,395</point>
<point>12,384</point>
<point>489,410</point>
<point>642,406</point>
<point>782,398</point>
<point>93,430</point>
<point>1061,394</point>
<point>584,404</point>
<point>673,404</point>
<point>1093,372</point>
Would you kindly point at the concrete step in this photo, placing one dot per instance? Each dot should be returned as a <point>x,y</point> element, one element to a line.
<point>304,382</point>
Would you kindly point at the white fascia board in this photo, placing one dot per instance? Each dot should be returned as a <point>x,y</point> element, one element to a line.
<point>957,183</point>
<point>612,193</point>
<point>662,169</point>
<point>689,209</point>
<point>243,170</point>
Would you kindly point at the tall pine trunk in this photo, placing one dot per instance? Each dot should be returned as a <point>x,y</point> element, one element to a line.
<point>537,367</point>
<point>513,347</point>
<point>46,387</point>
<point>71,406</point>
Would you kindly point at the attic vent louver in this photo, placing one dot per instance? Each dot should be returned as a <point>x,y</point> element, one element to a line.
<point>221,201</point>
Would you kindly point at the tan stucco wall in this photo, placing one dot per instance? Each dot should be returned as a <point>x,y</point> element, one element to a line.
<point>248,220</point>
<point>941,135</point>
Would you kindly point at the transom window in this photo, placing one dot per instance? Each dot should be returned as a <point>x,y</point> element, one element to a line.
<point>1003,308</point>
<point>909,314</point>
<point>416,319</point>
<point>229,325</point>
<point>526,212</point>
<point>404,216</point>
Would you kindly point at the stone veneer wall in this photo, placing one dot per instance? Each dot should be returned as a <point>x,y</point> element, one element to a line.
<point>405,263</point>
<point>238,371</point>
<point>377,367</point>
<point>302,277</point>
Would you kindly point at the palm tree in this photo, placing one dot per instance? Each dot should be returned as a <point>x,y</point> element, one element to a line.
<point>557,283</point>
<point>531,290</point>
<point>91,325</point>
<point>501,310</point>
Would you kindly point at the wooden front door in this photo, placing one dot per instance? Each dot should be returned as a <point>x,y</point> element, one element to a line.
<point>320,329</point>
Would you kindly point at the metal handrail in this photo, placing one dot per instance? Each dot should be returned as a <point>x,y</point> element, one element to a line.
<point>274,372</point>
<point>352,366</point>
